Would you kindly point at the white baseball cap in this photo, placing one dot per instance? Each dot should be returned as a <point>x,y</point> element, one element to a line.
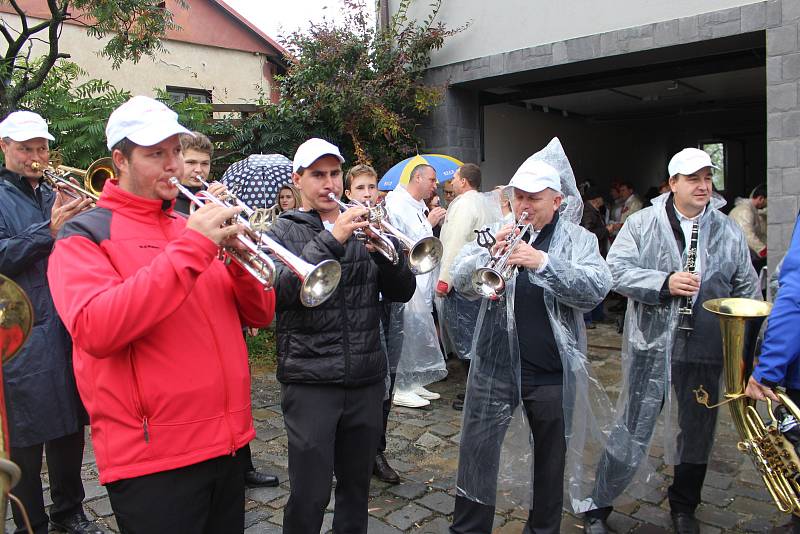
<point>688,161</point>
<point>534,176</point>
<point>312,150</point>
<point>24,125</point>
<point>143,120</point>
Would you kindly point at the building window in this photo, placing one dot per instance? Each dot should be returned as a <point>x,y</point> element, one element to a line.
<point>716,149</point>
<point>179,94</point>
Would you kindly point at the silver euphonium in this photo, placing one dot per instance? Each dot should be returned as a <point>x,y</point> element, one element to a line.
<point>423,255</point>
<point>318,282</point>
<point>490,280</point>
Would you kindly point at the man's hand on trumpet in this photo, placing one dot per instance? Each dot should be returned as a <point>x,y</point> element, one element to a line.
<point>348,222</point>
<point>64,208</point>
<point>211,221</point>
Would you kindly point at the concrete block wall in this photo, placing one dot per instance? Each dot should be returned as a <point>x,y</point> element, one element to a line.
<point>783,120</point>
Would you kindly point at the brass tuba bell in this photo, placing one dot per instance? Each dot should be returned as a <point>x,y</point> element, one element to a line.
<point>16,320</point>
<point>773,454</point>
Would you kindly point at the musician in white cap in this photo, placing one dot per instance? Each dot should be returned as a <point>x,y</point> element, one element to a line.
<point>44,410</point>
<point>671,345</point>
<point>156,318</point>
<point>530,352</point>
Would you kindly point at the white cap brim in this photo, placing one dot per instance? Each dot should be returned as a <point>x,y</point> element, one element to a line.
<point>152,134</point>
<point>27,136</point>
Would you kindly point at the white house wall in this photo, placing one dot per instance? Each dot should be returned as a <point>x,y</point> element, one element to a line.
<point>233,76</point>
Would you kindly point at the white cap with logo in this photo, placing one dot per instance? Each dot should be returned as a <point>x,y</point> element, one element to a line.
<point>534,176</point>
<point>312,150</point>
<point>24,125</point>
<point>689,161</point>
<point>143,120</point>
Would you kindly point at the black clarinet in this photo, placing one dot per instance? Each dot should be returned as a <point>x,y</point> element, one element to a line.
<point>685,311</point>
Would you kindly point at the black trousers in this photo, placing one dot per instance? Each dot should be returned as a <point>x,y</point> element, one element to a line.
<point>331,430</point>
<point>695,436</point>
<point>387,407</point>
<point>203,498</point>
<point>245,457</point>
<point>544,410</point>
<point>64,459</point>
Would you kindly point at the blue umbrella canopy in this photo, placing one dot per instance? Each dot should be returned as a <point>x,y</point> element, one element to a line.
<point>257,178</point>
<point>445,167</point>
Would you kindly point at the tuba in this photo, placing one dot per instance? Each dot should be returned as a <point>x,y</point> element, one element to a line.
<point>771,442</point>
<point>16,319</point>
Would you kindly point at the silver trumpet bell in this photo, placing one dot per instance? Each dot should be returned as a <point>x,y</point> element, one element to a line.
<point>490,280</point>
<point>423,255</point>
<point>318,282</point>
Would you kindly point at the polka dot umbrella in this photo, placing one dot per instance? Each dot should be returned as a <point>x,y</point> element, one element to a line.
<point>257,178</point>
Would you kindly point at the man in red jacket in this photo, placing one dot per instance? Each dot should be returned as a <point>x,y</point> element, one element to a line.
<point>156,319</point>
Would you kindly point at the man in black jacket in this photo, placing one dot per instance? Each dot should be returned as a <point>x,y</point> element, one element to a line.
<point>45,413</point>
<point>330,361</point>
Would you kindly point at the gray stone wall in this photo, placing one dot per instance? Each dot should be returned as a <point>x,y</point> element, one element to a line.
<point>454,128</point>
<point>783,124</point>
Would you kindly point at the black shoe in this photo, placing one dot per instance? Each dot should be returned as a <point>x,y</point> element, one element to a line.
<point>685,523</point>
<point>595,525</point>
<point>76,524</point>
<point>458,405</point>
<point>383,471</point>
<point>254,479</point>
<point>460,396</point>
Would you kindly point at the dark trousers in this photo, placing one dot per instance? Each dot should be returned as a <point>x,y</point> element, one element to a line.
<point>695,436</point>
<point>544,410</point>
<point>245,457</point>
<point>331,430</point>
<point>387,406</point>
<point>64,459</point>
<point>203,498</point>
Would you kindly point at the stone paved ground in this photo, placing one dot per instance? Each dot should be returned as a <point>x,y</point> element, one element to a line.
<point>423,447</point>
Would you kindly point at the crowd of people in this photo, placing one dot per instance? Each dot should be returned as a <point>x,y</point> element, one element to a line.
<point>140,331</point>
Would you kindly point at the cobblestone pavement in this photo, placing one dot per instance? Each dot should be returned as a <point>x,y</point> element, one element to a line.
<point>423,447</point>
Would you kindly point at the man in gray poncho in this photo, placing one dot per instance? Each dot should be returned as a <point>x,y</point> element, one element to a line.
<point>663,364</point>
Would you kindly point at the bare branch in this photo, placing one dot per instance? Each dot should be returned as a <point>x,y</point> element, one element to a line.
<point>7,34</point>
<point>22,16</point>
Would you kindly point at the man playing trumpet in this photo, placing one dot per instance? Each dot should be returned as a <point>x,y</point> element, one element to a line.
<point>530,350</point>
<point>330,361</point>
<point>156,321</point>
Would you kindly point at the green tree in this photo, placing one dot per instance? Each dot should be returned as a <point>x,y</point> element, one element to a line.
<point>354,84</point>
<point>134,28</point>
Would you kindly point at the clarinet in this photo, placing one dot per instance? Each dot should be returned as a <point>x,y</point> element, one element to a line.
<point>685,311</point>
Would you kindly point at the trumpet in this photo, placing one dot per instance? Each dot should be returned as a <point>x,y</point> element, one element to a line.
<point>423,255</point>
<point>318,282</point>
<point>94,178</point>
<point>259,218</point>
<point>490,280</point>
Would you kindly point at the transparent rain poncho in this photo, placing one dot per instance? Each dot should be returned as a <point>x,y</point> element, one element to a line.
<point>496,443</point>
<point>413,341</point>
<point>458,314</point>
<point>661,365</point>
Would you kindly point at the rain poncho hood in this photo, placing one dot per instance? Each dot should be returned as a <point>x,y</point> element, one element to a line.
<point>413,343</point>
<point>660,364</point>
<point>495,440</point>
